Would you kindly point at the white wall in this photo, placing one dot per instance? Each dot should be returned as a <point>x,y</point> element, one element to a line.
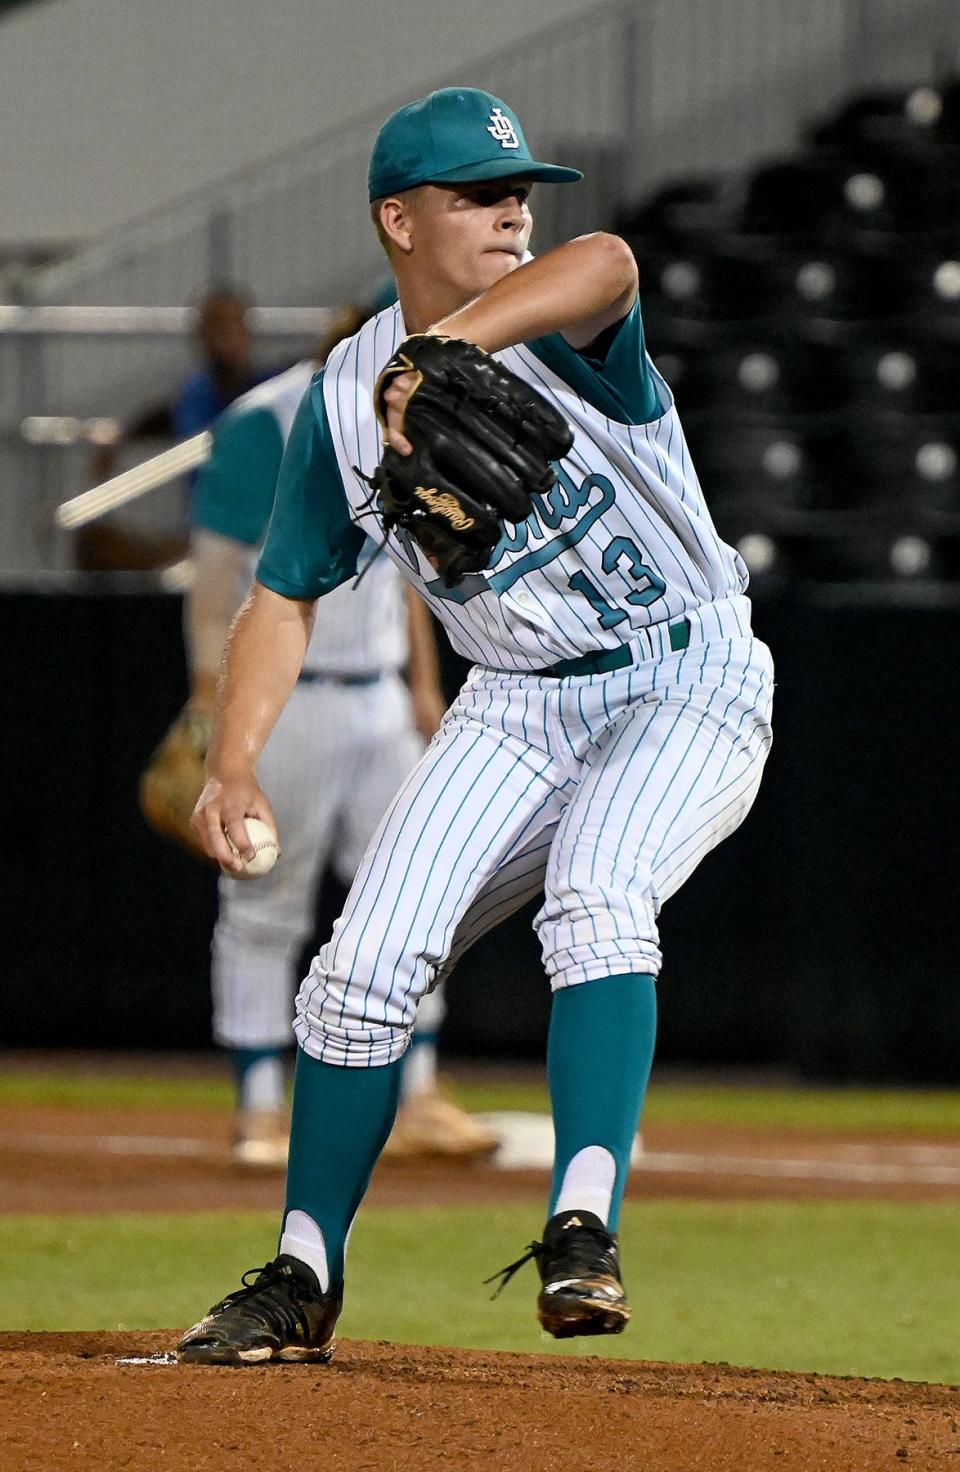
<point>109,108</point>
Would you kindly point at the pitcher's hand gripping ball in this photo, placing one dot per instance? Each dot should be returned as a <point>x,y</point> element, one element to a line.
<point>173,780</point>
<point>266,851</point>
<point>482,443</point>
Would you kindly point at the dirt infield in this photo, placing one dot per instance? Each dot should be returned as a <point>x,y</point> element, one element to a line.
<point>65,1160</point>
<point>67,1402</point>
<point>70,1400</point>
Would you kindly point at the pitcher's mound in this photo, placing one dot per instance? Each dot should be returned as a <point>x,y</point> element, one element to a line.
<point>111,1401</point>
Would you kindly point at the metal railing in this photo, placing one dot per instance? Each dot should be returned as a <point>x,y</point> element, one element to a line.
<point>106,360</point>
<point>634,91</point>
<point>296,228</point>
<point>68,374</point>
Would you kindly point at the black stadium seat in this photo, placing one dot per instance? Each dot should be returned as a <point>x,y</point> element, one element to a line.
<point>891,463</point>
<point>926,193</point>
<point>759,470</point>
<point>754,379</point>
<point>948,124</point>
<point>876,553</point>
<point>687,285</point>
<point>931,289</point>
<point>893,113</point>
<point>816,194</point>
<point>864,286</point>
<point>736,282</point>
<point>688,207</point>
<point>807,317</point>
<point>833,285</point>
<point>904,374</point>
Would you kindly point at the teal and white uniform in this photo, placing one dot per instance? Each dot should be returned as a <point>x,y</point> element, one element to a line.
<point>341,747</point>
<point>600,791</point>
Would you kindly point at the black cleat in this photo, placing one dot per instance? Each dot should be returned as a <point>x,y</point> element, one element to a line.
<point>280,1314</point>
<point>579,1267</point>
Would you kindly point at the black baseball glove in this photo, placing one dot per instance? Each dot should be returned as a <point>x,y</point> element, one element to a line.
<point>483,440</point>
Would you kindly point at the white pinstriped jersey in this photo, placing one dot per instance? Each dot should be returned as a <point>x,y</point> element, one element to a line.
<point>280,395</point>
<point>362,630</point>
<point>600,791</point>
<point>357,631</point>
<point>622,542</point>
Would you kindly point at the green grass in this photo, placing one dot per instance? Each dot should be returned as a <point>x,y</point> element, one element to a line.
<point>871,1111</point>
<point>94,1091</point>
<point>860,1288</point>
<point>868,1111</point>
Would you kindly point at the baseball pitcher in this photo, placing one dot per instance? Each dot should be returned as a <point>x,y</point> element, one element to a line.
<point>504,434</point>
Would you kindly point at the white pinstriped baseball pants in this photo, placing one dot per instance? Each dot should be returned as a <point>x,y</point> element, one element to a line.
<point>602,792</point>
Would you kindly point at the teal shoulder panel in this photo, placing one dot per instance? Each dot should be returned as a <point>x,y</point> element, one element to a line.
<point>234,490</point>
<point>619,384</point>
<point>312,545</point>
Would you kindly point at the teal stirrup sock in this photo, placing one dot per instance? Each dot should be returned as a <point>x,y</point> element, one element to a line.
<point>599,1054</point>
<point>341,1120</point>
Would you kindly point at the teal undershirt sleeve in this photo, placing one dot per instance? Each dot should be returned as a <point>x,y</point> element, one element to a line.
<point>233,495</point>
<point>617,380</point>
<point>312,544</point>
<point>599,1054</point>
<point>341,1120</point>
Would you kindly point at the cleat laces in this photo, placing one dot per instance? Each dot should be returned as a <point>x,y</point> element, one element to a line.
<point>534,1251</point>
<point>279,1295</point>
<point>576,1250</point>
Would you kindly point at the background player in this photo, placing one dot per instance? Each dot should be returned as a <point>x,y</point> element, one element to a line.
<point>349,735</point>
<point>612,732</point>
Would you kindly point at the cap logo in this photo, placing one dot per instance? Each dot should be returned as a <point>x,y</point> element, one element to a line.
<point>502,129</point>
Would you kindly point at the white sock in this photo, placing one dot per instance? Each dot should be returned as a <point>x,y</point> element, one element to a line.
<point>419,1069</point>
<point>262,1085</point>
<point>588,1183</point>
<point>303,1239</point>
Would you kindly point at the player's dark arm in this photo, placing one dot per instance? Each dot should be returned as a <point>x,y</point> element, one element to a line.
<point>579,289</point>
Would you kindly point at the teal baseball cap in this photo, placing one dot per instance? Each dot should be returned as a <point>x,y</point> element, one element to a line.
<point>454,136</point>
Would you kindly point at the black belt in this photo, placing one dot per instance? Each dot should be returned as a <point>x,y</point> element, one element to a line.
<point>613,659</point>
<point>316,677</point>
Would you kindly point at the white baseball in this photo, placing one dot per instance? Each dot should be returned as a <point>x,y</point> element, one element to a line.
<point>266,850</point>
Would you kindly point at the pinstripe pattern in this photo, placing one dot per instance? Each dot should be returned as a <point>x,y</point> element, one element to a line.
<point>358,630</point>
<point>628,517</point>
<point>601,792</point>
<point>362,629</point>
